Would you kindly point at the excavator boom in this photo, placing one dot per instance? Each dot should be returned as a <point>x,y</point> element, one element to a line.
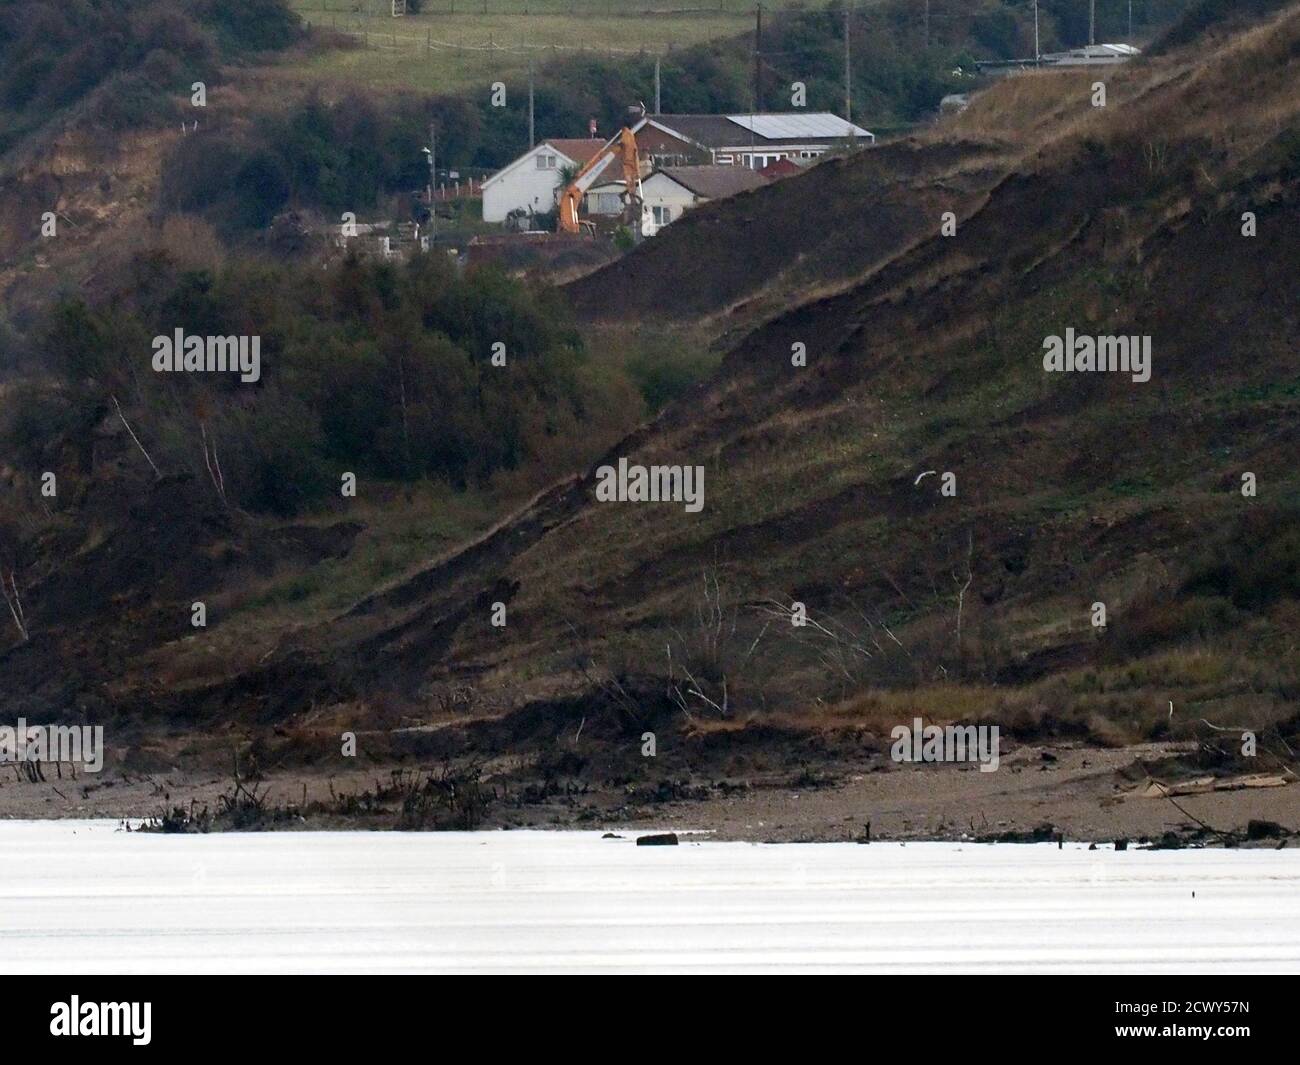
<point>621,147</point>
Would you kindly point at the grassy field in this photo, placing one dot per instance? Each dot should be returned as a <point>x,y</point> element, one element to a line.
<point>468,43</point>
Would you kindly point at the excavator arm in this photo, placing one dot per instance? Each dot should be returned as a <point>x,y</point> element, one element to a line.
<point>623,148</point>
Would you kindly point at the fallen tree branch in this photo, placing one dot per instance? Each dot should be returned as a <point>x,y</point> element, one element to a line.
<point>143,452</point>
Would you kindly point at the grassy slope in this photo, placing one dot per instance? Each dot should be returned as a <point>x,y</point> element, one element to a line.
<point>438,51</point>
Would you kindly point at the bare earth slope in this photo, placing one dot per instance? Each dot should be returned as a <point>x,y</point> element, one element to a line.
<point>1070,489</point>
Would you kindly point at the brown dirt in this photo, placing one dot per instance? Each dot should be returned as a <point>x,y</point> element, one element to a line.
<point>1084,793</point>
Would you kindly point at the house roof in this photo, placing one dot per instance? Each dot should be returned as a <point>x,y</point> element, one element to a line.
<point>781,168</point>
<point>714,182</point>
<point>708,131</point>
<point>579,149</point>
<point>731,131</point>
<point>816,125</point>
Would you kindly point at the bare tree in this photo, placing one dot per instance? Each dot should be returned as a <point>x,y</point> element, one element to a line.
<point>961,588</point>
<point>712,656</point>
<point>14,602</point>
<point>213,464</point>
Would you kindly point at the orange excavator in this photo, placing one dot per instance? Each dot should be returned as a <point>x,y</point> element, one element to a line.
<point>622,147</point>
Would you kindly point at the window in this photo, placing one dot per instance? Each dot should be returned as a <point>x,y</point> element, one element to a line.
<point>662,215</point>
<point>546,162</point>
<point>725,159</point>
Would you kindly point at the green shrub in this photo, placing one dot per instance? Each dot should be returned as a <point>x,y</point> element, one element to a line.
<point>665,370</point>
<point>1256,569</point>
<point>369,368</point>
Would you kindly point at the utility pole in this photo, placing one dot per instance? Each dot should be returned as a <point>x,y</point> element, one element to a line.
<point>532,136</point>
<point>658,105</point>
<point>1038,52</point>
<point>848,72</point>
<point>1130,21</point>
<point>758,58</point>
<point>1092,21</point>
<point>927,22</point>
<point>433,180</point>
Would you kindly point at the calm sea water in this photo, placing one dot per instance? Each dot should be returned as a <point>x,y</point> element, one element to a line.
<point>81,896</point>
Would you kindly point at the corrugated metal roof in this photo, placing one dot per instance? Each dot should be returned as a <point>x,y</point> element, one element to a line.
<point>818,124</point>
<point>733,131</point>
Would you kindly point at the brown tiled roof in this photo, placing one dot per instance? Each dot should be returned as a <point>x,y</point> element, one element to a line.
<point>780,168</point>
<point>579,149</point>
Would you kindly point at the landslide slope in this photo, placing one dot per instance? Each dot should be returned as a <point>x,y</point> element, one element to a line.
<point>924,353</point>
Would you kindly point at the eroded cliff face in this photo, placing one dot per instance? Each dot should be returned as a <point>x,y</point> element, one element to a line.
<point>71,204</point>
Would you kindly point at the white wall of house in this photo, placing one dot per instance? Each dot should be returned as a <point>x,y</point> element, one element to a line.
<point>667,199</point>
<point>757,158</point>
<point>531,182</point>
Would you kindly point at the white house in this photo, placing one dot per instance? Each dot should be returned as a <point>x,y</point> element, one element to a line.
<point>532,182</point>
<point>673,190</point>
<point>1092,55</point>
